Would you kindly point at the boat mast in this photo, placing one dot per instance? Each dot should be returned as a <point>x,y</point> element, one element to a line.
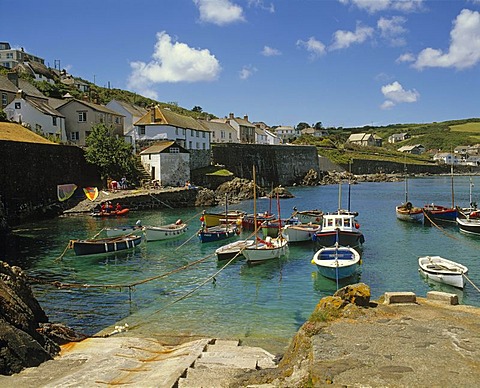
<point>406,180</point>
<point>255,206</point>
<point>349,185</point>
<point>453,193</point>
<point>340,195</point>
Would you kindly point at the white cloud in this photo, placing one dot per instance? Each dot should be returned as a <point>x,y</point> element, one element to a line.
<point>247,72</point>
<point>260,4</point>
<point>314,46</point>
<point>173,62</point>
<point>392,29</point>
<point>270,52</point>
<point>343,39</point>
<point>373,6</point>
<point>407,57</point>
<point>464,50</point>
<point>219,12</point>
<point>396,94</point>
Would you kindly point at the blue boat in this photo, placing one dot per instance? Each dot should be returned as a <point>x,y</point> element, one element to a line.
<point>437,213</point>
<point>337,262</point>
<point>216,233</point>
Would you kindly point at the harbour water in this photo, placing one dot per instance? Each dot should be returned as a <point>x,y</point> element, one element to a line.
<point>263,305</point>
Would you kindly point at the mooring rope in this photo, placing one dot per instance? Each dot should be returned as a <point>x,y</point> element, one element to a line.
<point>163,203</point>
<point>474,286</point>
<point>439,227</point>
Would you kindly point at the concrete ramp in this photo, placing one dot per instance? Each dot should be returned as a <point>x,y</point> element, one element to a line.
<point>143,362</point>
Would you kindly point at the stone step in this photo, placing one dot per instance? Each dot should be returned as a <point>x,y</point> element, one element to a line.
<point>207,377</point>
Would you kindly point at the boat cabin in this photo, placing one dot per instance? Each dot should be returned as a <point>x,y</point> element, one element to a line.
<point>341,221</point>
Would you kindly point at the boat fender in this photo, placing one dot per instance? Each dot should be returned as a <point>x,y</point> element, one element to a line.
<point>357,225</point>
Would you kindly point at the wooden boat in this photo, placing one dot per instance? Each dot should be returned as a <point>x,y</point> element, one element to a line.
<point>441,270</point>
<point>469,223</point>
<point>308,216</point>
<point>217,233</point>
<point>408,212</point>
<point>337,262</point>
<point>104,245</point>
<point>236,248</point>
<point>300,232</point>
<point>250,220</point>
<point>165,232</point>
<point>437,213</point>
<point>124,230</point>
<point>113,213</point>
<point>214,219</point>
<point>343,224</point>
<point>263,250</point>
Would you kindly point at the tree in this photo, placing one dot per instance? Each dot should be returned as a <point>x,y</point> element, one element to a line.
<point>302,125</point>
<point>113,157</point>
<point>318,125</point>
<point>197,109</point>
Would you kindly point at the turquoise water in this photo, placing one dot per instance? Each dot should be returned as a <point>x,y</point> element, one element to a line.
<point>262,305</point>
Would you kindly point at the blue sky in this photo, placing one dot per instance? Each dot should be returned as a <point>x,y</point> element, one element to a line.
<point>341,62</point>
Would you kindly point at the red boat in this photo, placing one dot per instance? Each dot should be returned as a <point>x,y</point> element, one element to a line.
<point>113,213</point>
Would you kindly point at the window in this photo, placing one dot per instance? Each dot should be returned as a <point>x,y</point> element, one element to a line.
<point>38,127</point>
<point>197,145</point>
<point>4,99</point>
<point>190,144</point>
<point>198,134</point>
<point>82,116</point>
<point>75,136</point>
<point>142,130</point>
<point>101,117</point>
<point>204,146</point>
<point>117,120</point>
<point>18,105</point>
<point>203,135</point>
<point>174,150</point>
<point>222,135</point>
<point>176,131</point>
<point>54,121</point>
<point>191,133</point>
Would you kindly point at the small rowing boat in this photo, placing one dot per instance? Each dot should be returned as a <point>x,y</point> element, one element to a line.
<point>442,270</point>
<point>104,245</point>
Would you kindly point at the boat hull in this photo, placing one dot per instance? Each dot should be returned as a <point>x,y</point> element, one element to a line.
<point>265,251</point>
<point>337,262</point>
<point>299,233</point>
<point>216,234</point>
<point>443,271</point>
<point>438,213</point>
<point>214,219</point>
<point>233,249</point>
<point>115,244</point>
<point>469,225</point>
<point>166,232</point>
<point>345,238</point>
<point>409,213</point>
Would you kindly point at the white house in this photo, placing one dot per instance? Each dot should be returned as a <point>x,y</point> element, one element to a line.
<point>220,132</point>
<point>131,112</point>
<point>244,128</point>
<point>37,115</point>
<point>362,139</point>
<point>272,138</point>
<point>167,162</point>
<point>397,137</point>
<point>260,136</point>
<point>445,157</point>
<point>315,132</point>
<point>286,133</point>
<point>163,124</point>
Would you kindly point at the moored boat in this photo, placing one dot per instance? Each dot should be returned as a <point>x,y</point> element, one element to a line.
<point>112,213</point>
<point>442,270</point>
<point>469,223</point>
<point>343,224</point>
<point>217,233</point>
<point>438,213</point>
<point>104,245</point>
<point>165,232</point>
<point>214,219</point>
<point>300,232</point>
<point>408,212</point>
<point>264,250</point>
<point>236,248</point>
<point>336,262</point>
<point>305,216</point>
<point>124,230</point>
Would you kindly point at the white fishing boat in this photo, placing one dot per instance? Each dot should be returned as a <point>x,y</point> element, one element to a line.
<point>124,230</point>
<point>165,232</point>
<point>308,216</point>
<point>236,248</point>
<point>299,232</point>
<point>441,270</point>
<point>268,249</point>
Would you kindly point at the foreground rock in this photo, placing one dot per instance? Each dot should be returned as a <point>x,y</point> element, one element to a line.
<point>350,341</point>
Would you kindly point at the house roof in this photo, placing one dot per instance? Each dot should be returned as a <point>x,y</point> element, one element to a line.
<point>164,116</point>
<point>133,109</point>
<point>91,105</point>
<point>30,90</point>
<point>242,122</point>
<point>44,107</point>
<point>216,125</point>
<point>359,136</point>
<point>162,146</point>
<point>16,132</point>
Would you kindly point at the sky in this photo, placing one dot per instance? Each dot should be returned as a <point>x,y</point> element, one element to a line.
<point>344,63</point>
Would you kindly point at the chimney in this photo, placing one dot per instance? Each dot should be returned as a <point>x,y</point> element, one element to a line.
<point>13,78</point>
<point>245,117</point>
<point>231,116</point>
